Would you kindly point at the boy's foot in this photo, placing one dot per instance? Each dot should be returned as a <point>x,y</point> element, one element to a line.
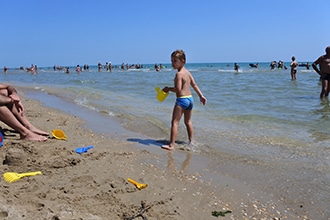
<point>168,147</point>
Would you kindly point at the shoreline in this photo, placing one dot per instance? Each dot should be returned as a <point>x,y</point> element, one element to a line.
<point>180,184</point>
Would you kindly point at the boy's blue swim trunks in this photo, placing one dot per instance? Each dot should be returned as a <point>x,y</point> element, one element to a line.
<point>185,102</point>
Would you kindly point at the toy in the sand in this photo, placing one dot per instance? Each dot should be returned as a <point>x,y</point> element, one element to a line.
<point>138,185</point>
<point>161,95</point>
<point>81,150</point>
<point>13,177</point>
<point>58,134</point>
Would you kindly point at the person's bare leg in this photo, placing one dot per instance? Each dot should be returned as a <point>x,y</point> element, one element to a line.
<point>21,117</point>
<point>176,116</point>
<point>8,118</point>
<point>26,123</point>
<point>189,125</point>
<point>327,89</point>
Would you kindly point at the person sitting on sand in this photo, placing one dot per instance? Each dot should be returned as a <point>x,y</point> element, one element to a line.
<point>12,114</point>
<point>184,100</point>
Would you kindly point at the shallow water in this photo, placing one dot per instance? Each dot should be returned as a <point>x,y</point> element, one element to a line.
<point>257,118</point>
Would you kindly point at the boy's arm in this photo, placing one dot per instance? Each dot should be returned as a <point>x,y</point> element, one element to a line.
<point>173,89</point>
<point>202,98</point>
<point>198,91</point>
<point>169,89</point>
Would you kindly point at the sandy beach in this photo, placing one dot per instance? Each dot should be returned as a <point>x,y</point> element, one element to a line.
<point>94,185</point>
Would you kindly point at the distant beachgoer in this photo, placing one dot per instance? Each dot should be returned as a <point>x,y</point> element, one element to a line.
<point>99,65</point>
<point>78,69</point>
<point>324,71</point>
<point>31,69</point>
<point>280,64</point>
<point>157,67</point>
<point>273,65</point>
<point>307,65</point>
<point>254,65</point>
<point>184,100</point>
<point>294,66</point>
<point>5,69</point>
<point>236,67</point>
<point>12,114</point>
<point>67,71</point>
<point>122,66</point>
<point>110,67</point>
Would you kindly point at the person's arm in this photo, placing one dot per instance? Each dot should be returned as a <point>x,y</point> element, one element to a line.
<point>10,89</point>
<point>173,89</point>
<point>169,89</point>
<point>11,98</point>
<point>202,98</point>
<point>314,65</point>
<point>4,100</point>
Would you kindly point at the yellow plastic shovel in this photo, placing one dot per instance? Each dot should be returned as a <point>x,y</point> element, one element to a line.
<point>138,185</point>
<point>13,177</point>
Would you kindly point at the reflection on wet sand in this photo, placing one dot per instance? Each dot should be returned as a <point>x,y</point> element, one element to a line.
<point>184,166</point>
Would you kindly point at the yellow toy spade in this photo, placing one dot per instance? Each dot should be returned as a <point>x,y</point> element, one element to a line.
<point>138,185</point>
<point>13,177</point>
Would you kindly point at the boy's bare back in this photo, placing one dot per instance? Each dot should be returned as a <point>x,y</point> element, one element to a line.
<point>182,81</point>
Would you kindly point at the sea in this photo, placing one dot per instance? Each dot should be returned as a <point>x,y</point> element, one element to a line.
<point>275,129</point>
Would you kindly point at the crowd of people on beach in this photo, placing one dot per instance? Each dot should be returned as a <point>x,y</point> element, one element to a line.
<point>108,67</point>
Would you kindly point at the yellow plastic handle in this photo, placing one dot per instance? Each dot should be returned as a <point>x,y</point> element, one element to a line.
<point>30,173</point>
<point>138,185</point>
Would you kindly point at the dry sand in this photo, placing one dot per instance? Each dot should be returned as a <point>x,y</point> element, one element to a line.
<point>94,185</point>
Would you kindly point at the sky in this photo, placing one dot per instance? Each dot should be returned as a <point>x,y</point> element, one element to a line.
<point>71,32</point>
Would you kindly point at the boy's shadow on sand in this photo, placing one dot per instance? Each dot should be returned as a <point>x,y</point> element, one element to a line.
<point>149,142</point>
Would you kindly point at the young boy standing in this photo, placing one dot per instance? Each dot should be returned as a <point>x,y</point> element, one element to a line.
<point>184,100</point>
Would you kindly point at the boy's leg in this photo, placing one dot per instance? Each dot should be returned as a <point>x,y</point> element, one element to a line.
<point>188,123</point>
<point>176,116</point>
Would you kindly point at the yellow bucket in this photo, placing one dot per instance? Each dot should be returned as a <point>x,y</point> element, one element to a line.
<point>58,134</point>
<point>161,95</point>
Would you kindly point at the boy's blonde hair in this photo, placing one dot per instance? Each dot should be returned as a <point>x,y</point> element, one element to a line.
<point>179,54</point>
